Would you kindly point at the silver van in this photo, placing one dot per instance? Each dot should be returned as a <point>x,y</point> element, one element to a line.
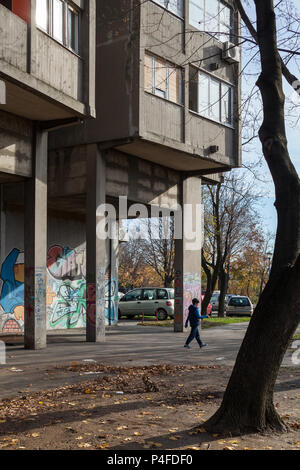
<point>148,300</point>
<point>239,305</point>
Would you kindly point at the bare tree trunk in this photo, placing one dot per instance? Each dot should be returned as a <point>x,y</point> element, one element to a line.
<point>223,279</point>
<point>212,278</point>
<point>248,401</point>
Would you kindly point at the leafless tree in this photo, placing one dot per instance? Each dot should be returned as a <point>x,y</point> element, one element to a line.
<point>248,400</point>
<point>229,216</point>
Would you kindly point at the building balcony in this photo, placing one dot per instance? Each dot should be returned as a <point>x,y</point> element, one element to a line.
<point>149,91</point>
<point>44,78</point>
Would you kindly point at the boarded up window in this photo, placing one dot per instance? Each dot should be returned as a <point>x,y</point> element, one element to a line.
<point>148,72</point>
<point>161,77</point>
<point>175,84</point>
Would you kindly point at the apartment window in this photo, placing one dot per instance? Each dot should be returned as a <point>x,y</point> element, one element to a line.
<point>163,79</point>
<point>212,16</point>
<point>73,29</point>
<point>210,97</point>
<point>175,6</point>
<point>60,20</point>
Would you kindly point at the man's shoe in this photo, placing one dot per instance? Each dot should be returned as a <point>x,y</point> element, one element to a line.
<point>203,345</point>
<point>187,346</point>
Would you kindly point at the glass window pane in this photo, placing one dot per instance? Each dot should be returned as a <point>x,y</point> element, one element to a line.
<point>212,7</point>
<point>193,90</point>
<point>176,6</point>
<point>225,33</point>
<point>58,8</point>
<point>203,98</point>
<point>149,294</point>
<point>162,294</point>
<point>197,14</point>
<point>225,15</point>
<point>215,99</point>
<point>73,30</point>
<point>134,295</point>
<point>226,104</point>
<point>212,25</point>
<point>42,14</point>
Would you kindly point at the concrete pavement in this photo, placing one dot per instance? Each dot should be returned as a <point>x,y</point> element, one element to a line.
<point>127,345</point>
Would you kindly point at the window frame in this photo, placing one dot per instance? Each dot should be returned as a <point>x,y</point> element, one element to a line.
<point>217,36</point>
<point>207,113</point>
<point>158,92</point>
<point>67,5</point>
<point>165,4</point>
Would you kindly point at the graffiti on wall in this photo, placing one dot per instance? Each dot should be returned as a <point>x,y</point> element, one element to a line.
<point>66,287</point>
<point>65,295</point>
<point>12,293</point>
<point>191,289</point>
<point>111,298</point>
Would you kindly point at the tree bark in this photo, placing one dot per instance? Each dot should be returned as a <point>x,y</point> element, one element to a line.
<point>223,291</point>
<point>248,401</point>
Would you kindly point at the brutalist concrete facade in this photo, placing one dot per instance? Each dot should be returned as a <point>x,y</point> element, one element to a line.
<point>129,142</point>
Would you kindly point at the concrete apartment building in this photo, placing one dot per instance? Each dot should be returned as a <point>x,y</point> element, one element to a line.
<point>154,114</point>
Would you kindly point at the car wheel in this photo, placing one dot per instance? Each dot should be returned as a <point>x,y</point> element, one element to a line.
<point>162,314</point>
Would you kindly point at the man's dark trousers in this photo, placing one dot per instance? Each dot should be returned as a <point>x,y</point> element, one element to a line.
<point>194,334</point>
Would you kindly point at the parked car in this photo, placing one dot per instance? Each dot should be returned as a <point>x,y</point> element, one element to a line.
<point>148,300</point>
<point>239,305</point>
<point>209,307</point>
<point>215,300</point>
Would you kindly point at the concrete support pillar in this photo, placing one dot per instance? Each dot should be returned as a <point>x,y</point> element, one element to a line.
<point>35,246</point>
<point>95,247</point>
<point>188,251</point>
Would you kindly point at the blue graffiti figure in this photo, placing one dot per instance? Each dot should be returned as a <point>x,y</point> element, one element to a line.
<point>12,275</point>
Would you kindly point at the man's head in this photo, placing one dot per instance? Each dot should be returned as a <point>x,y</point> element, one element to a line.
<point>195,302</point>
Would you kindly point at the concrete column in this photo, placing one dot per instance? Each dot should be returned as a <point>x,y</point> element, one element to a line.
<point>35,246</point>
<point>188,251</point>
<point>95,247</point>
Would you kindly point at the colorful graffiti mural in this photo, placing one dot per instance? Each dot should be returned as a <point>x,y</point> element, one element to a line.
<point>111,298</point>
<point>12,293</point>
<point>66,287</point>
<point>191,289</point>
<point>65,295</point>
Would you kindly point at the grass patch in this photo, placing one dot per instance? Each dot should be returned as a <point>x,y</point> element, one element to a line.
<point>164,323</point>
<point>216,321</point>
<point>208,323</point>
<point>296,337</point>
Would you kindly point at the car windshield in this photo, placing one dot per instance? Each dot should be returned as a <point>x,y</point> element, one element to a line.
<point>239,302</point>
<point>171,293</point>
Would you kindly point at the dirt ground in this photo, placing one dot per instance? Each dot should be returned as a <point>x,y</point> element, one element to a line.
<point>156,407</point>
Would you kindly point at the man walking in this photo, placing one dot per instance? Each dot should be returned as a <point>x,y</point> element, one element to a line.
<point>194,318</point>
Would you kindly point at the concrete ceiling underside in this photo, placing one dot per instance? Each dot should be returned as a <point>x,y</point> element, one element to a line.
<point>172,158</point>
<point>26,104</point>
<point>9,178</point>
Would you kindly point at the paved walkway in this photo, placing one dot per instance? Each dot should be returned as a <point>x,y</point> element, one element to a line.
<point>126,344</point>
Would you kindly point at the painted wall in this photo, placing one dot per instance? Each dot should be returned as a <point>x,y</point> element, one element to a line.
<point>66,275</point>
